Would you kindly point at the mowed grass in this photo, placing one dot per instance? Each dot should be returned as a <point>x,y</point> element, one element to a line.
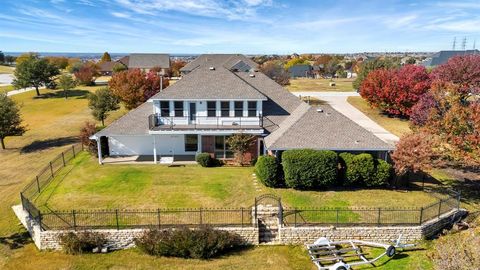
<point>85,184</point>
<point>6,69</point>
<point>396,126</point>
<point>6,88</point>
<point>321,85</point>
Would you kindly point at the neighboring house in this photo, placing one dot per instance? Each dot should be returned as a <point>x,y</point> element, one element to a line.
<point>229,61</point>
<point>301,71</point>
<point>212,102</point>
<point>143,61</point>
<point>443,56</point>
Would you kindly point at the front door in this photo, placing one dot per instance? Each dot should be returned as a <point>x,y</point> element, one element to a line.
<point>193,112</point>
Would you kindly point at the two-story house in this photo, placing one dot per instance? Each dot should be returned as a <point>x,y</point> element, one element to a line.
<point>222,95</point>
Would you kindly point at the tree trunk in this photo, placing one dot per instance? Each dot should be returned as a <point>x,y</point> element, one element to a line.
<point>65,92</point>
<point>36,89</point>
<point>3,143</point>
<point>103,123</point>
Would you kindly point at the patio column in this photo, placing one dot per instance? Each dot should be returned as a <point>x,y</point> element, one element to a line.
<point>199,144</point>
<point>154,150</point>
<point>99,150</point>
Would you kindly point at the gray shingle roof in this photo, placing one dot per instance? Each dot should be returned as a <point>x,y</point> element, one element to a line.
<point>203,83</point>
<point>135,122</point>
<point>443,56</point>
<point>307,128</point>
<point>217,60</point>
<point>148,60</point>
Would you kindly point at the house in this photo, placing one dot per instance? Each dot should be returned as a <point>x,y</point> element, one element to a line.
<point>301,71</point>
<point>106,68</point>
<point>443,56</point>
<point>229,61</point>
<point>143,61</point>
<point>215,100</point>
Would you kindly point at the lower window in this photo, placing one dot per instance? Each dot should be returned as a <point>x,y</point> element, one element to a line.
<point>191,143</point>
<point>222,149</point>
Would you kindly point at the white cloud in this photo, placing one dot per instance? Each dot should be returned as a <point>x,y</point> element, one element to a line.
<point>120,14</point>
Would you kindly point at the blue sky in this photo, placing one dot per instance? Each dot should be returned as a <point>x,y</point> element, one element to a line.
<point>243,26</point>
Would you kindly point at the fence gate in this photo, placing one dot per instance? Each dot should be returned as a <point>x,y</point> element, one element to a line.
<point>268,217</point>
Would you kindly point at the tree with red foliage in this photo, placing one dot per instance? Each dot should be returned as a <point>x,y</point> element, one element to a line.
<point>175,67</point>
<point>86,74</point>
<point>422,110</point>
<point>134,86</point>
<point>396,91</point>
<point>461,70</point>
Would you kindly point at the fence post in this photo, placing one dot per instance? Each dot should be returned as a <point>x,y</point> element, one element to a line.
<point>51,168</point>
<point>458,201</point>
<point>63,159</point>
<point>378,218</point>
<point>82,146</point>
<point>73,150</point>
<point>255,214</point>
<point>116,218</point>
<point>201,221</point>
<point>241,209</point>
<point>421,216</point>
<point>337,217</point>
<point>74,220</point>
<point>38,184</point>
<point>439,209</point>
<point>295,217</point>
<point>158,218</point>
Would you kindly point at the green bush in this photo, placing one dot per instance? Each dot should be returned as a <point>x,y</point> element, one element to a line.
<point>205,160</point>
<point>82,242</point>
<point>268,171</point>
<point>202,243</point>
<point>383,173</point>
<point>348,174</point>
<point>364,166</point>
<point>308,169</point>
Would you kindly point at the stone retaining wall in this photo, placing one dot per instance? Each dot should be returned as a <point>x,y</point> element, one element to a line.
<point>124,238</point>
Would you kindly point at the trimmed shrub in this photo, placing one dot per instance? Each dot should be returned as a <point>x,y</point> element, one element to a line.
<point>383,173</point>
<point>364,166</point>
<point>348,174</point>
<point>202,243</point>
<point>308,169</point>
<point>82,242</point>
<point>205,160</point>
<point>268,171</point>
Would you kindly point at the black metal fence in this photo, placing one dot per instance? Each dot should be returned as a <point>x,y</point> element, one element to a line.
<point>239,217</point>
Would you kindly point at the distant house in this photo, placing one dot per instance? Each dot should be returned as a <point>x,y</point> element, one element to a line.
<point>106,68</point>
<point>301,71</point>
<point>238,62</point>
<point>443,56</point>
<point>143,61</point>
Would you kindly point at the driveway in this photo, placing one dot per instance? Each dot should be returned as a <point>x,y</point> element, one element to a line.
<point>6,79</point>
<point>338,100</point>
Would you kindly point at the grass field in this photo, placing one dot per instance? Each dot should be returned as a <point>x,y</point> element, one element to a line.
<point>396,126</point>
<point>320,85</point>
<point>6,69</point>
<point>4,89</point>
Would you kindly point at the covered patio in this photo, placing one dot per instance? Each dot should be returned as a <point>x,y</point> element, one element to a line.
<point>149,159</point>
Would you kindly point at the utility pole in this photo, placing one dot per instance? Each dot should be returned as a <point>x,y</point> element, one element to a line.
<point>454,43</point>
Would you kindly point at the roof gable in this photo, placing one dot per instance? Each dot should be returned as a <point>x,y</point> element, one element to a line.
<point>217,60</point>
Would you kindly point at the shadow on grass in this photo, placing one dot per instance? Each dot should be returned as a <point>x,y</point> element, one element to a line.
<point>16,240</point>
<point>75,93</point>
<point>46,144</point>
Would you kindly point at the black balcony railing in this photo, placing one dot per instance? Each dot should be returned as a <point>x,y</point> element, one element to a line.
<point>157,122</point>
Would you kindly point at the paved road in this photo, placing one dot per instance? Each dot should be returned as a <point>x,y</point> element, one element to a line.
<point>338,100</point>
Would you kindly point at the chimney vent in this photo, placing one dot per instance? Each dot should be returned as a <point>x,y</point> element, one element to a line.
<point>252,75</point>
<point>212,68</point>
<point>320,110</point>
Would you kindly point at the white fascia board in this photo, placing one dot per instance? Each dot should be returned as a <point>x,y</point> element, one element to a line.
<point>206,132</point>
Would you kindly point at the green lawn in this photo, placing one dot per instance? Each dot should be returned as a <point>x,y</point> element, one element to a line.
<point>396,126</point>
<point>4,89</point>
<point>6,69</point>
<point>86,184</point>
<point>320,85</point>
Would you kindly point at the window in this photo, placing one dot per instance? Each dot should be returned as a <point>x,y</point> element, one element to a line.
<point>222,149</point>
<point>191,143</point>
<point>211,108</point>
<point>225,108</point>
<point>238,108</point>
<point>252,108</point>
<point>164,108</point>
<point>178,105</point>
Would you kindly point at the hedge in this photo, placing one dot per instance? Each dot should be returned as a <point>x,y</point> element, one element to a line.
<point>205,160</point>
<point>308,169</point>
<point>348,174</point>
<point>268,171</point>
<point>384,172</point>
<point>363,169</point>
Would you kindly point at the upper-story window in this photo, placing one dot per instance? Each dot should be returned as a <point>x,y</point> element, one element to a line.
<point>238,108</point>
<point>225,108</point>
<point>211,108</point>
<point>252,108</point>
<point>164,108</point>
<point>178,107</point>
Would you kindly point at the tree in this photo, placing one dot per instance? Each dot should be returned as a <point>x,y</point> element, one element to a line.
<point>175,67</point>
<point>2,57</point>
<point>74,65</point>
<point>88,130</point>
<point>422,109</point>
<point>25,56</point>
<point>410,61</point>
<point>9,59</point>
<point>118,67</point>
<point>10,121</point>
<point>275,71</point>
<point>101,103</point>
<point>396,91</point>
<point>370,65</point>
<point>323,59</point>
<point>59,62</point>
<point>134,86</point>
<point>240,143</point>
<point>295,61</point>
<point>87,73</point>
<point>106,57</point>
<point>66,82</point>
<point>34,72</point>
<point>332,67</point>
<point>461,70</point>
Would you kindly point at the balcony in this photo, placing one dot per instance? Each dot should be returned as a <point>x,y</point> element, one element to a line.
<point>160,123</point>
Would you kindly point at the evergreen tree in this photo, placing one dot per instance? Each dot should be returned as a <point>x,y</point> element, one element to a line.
<point>106,57</point>
<point>10,121</point>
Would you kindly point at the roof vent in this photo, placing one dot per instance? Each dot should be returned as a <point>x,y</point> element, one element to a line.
<point>357,141</point>
<point>212,68</point>
<point>252,75</point>
<point>320,110</point>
